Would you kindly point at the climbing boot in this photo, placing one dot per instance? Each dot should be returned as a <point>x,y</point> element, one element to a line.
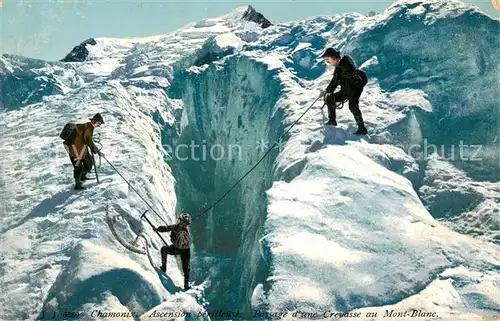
<point>361,131</point>
<point>361,125</point>
<point>79,186</point>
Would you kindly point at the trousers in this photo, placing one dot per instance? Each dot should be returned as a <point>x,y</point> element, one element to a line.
<point>185,258</point>
<point>341,96</point>
<point>82,167</point>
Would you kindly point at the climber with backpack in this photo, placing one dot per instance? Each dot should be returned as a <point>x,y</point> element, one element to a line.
<point>77,139</point>
<point>351,81</point>
<point>181,242</point>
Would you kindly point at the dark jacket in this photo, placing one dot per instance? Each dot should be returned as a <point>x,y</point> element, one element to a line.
<point>344,75</point>
<point>174,229</point>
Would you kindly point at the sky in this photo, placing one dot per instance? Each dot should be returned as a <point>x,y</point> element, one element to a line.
<point>49,29</point>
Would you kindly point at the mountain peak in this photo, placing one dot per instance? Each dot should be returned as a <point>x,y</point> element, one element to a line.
<point>80,52</point>
<point>252,15</point>
<point>248,13</point>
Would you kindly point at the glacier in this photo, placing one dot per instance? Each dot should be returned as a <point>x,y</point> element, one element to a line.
<point>405,219</point>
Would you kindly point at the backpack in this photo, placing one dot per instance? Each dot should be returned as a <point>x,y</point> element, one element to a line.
<point>182,240</point>
<point>362,75</point>
<point>68,134</point>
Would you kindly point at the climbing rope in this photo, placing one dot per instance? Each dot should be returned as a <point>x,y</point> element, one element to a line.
<point>260,160</point>
<point>130,185</point>
<point>348,89</point>
<point>111,220</point>
<point>232,187</point>
<point>341,103</point>
<point>134,248</point>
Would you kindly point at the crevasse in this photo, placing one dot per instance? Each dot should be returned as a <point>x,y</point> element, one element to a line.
<point>232,105</point>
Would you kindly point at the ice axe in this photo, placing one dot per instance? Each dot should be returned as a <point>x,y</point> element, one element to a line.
<point>95,167</point>
<point>323,107</point>
<point>154,228</point>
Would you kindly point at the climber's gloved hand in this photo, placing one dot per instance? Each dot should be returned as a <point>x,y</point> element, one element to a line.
<point>322,93</point>
<point>97,151</point>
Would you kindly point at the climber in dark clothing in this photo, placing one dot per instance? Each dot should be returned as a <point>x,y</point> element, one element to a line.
<point>181,241</point>
<point>351,81</point>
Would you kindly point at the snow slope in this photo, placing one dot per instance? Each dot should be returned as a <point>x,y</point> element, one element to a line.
<point>327,222</point>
